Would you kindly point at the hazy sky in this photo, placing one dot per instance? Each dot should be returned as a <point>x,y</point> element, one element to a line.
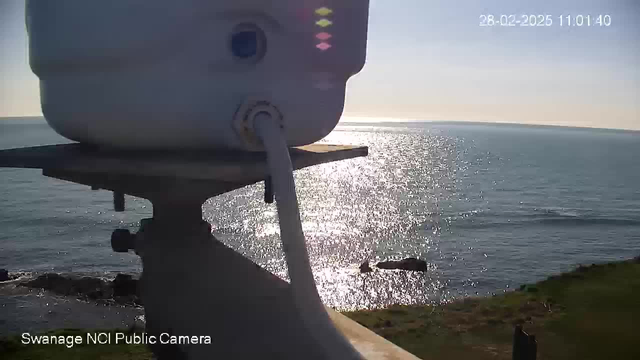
<point>431,60</point>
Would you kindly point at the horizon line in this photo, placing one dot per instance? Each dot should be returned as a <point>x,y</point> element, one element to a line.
<point>381,121</point>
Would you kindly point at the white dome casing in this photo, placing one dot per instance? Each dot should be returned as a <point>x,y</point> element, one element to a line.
<point>161,74</point>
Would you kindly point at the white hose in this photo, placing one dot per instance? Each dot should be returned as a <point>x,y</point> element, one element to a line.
<point>305,293</point>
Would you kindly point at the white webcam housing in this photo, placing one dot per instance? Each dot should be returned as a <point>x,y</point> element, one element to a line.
<point>173,74</point>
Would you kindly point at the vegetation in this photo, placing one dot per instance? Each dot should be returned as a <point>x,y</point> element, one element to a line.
<point>584,314</point>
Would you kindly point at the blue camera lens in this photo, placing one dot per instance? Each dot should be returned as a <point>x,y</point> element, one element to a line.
<point>248,42</point>
<point>245,44</point>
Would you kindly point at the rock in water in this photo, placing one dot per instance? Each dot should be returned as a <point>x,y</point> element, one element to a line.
<point>123,289</point>
<point>91,287</point>
<point>52,282</point>
<point>365,268</point>
<point>411,264</point>
<point>4,275</point>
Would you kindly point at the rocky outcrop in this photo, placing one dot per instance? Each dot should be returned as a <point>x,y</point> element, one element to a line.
<point>365,267</point>
<point>4,275</point>
<point>411,264</point>
<point>122,290</point>
<point>92,288</point>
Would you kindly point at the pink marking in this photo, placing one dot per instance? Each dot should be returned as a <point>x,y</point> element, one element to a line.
<point>323,46</point>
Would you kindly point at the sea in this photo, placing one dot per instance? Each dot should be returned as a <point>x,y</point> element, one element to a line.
<point>489,207</point>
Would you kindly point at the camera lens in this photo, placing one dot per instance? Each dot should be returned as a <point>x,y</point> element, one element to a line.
<point>245,44</point>
<point>248,42</point>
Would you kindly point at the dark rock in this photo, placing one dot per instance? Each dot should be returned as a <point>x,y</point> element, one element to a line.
<point>124,285</point>
<point>92,288</point>
<point>122,290</point>
<point>365,267</point>
<point>53,282</point>
<point>4,275</point>
<point>411,264</point>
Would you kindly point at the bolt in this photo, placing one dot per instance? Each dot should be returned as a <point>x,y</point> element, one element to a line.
<point>118,201</point>
<point>122,240</point>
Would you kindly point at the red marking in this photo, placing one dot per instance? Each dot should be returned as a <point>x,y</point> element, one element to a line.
<point>324,36</point>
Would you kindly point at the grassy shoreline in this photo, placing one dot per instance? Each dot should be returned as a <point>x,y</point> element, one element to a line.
<point>586,313</point>
<point>582,314</point>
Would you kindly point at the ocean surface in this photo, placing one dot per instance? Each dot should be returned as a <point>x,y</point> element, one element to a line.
<point>489,207</point>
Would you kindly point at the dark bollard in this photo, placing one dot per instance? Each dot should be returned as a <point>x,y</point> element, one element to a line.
<point>518,335</point>
<point>525,346</point>
<point>533,347</point>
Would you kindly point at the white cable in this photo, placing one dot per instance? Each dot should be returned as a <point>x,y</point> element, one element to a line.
<point>305,293</point>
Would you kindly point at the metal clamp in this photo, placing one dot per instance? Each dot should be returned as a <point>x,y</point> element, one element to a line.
<point>247,111</point>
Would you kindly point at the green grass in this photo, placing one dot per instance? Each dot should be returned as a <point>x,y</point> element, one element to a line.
<point>584,314</point>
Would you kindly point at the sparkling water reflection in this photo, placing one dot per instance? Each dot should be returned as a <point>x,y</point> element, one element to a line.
<point>488,207</point>
<point>452,198</point>
<point>384,206</point>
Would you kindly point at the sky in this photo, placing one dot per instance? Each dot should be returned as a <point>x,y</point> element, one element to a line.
<point>431,60</point>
